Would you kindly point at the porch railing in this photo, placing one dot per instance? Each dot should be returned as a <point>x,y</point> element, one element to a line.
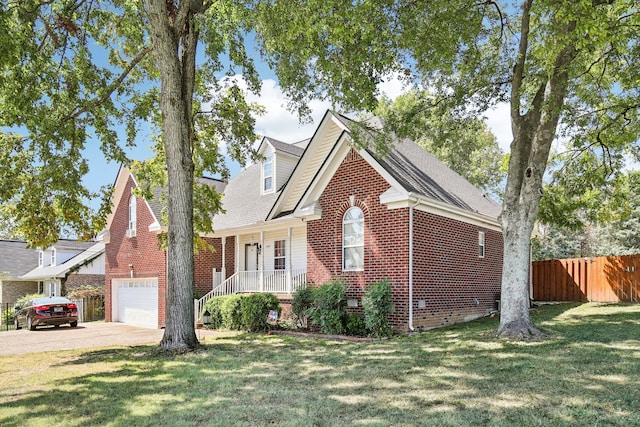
<point>275,282</point>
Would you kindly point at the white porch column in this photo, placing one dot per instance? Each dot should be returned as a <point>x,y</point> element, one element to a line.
<point>224,259</point>
<point>236,262</point>
<point>261,261</point>
<point>288,254</point>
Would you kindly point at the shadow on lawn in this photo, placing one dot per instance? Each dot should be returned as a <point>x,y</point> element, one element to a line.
<point>455,376</point>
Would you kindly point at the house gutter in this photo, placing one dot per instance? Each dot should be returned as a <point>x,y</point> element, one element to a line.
<point>417,202</point>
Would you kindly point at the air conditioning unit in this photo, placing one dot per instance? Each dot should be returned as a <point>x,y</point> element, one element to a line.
<point>131,233</point>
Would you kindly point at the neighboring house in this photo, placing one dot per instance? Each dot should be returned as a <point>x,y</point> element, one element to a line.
<point>321,209</point>
<point>15,260</point>
<point>67,266</point>
<point>53,271</point>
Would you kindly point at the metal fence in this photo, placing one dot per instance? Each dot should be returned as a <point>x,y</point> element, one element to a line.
<point>6,317</point>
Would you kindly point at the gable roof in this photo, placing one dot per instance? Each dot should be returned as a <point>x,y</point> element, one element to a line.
<point>243,202</point>
<point>155,205</point>
<point>16,259</point>
<point>420,172</point>
<point>283,147</point>
<point>412,173</point>
<point>61,270</point>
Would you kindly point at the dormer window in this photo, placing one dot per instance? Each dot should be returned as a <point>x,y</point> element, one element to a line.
<point>53,256</point>
<point>267,174</point>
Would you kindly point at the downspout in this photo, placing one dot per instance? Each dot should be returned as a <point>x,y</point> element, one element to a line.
<point>411,327</point>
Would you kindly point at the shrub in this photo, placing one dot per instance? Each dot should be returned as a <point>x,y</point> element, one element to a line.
<point>8,316</point>
<point>378,302</point>
<point>255,310</point>
<point>355,324</point>
<point>300,304</point>
<point>231,312</point>
<point>329,307</point>
<point>21,302</point>
<point>215,313</point>
<point>86,291</point>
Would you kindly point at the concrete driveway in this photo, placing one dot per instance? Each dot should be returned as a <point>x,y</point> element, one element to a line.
<point>85,335</point>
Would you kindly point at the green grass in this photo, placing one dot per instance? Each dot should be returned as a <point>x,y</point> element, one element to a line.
<point>587,373</point>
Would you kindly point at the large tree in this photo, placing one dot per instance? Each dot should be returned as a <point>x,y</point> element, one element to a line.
<point>566,68</point>
<point>78,72</point>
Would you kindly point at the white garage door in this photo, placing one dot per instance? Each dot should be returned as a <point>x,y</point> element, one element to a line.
<point>137,301</point>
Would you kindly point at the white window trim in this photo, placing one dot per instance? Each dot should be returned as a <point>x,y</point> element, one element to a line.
<point>53,256</point>
<point>481,245</point>
<point>268,160</point>
<point>40,258</point>
<point>282,257</point>
<point>351,221</point>
<point>133,216</point>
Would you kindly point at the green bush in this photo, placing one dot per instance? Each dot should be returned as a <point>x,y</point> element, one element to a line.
<point>8,316</point>
<point>255,310</point>
<point>215,313</point>
<point>86,291</point>
<point>300,304</point>
<point>355,324</point>
<point>329,307</point>
<point>21,302</point>
<point>231,312</point>
<point>378,302</point>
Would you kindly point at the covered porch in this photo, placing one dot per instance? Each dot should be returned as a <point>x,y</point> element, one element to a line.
<point>265,260</point>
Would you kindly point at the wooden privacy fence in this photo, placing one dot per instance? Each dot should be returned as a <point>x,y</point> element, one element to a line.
<point>602,279</point>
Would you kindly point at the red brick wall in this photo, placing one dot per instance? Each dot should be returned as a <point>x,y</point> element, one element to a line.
<point>206,261</point>
<point>448,274</point>
<point>142,252</point>
<point>75,281</point>
<point>148,260</point>
<point>386,248</point>
<point>449,277</point>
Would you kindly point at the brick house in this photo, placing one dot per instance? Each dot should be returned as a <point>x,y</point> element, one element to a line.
<point>319,209</point>
<point>56,270</point>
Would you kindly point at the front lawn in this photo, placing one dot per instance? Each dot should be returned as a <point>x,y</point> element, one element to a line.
<point>586,374</point>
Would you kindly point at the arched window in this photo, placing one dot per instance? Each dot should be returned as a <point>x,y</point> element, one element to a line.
<point>353,239</point>
<point>132,216</point>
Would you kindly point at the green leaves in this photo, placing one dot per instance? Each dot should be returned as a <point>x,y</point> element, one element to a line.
<point>462,142</point>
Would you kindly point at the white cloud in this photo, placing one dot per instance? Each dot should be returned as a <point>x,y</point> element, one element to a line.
<point>280,123</point>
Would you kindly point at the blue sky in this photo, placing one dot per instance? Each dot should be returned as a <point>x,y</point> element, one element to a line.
<point>277,122</point>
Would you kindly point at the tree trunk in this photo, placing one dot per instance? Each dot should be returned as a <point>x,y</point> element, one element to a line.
<point>179,334</point>
<point>515,321</point>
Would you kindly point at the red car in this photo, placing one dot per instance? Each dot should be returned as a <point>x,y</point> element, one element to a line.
<point>54,311</point>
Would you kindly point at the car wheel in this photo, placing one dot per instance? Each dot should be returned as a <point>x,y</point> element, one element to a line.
<point>30,325</point>
<point>15,321</point>
<point>73,324</point>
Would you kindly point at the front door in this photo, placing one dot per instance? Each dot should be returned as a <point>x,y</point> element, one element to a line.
<point>251,257</point>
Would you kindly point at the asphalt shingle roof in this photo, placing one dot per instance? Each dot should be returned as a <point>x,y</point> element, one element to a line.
<point>420,172</point>
<point>243,202</point>
<point>16,259</point>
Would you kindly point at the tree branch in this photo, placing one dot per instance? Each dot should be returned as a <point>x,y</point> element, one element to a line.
<point>518,69</point>
<point>112,87</point>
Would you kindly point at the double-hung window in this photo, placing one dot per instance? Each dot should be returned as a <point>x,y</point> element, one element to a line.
<point>353,239</point>
<point>267,174</point>
<point>481,245</point>
<point>279,255</point>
